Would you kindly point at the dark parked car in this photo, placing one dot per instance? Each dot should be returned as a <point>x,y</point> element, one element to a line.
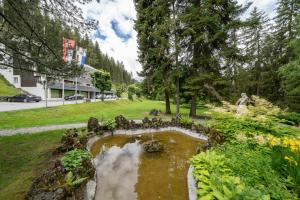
<point>24,98</point>
<point>73,97</point>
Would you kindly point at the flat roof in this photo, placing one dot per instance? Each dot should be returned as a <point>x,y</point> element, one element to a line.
<point>82,88</point>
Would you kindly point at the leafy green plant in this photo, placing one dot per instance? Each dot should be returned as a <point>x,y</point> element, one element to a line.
<point>73,159</point>
<point>73,181</point>
<point>109,125</point>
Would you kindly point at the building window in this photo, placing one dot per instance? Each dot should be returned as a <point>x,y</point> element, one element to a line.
<point>16,80</point>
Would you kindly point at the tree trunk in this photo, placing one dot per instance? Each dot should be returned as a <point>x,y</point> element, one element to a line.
<point>177,97</point>
<point>193,109</point>
<point>102,96</point>
<point>258,82</point>
<point>167,99</point>
<point>213,92</point>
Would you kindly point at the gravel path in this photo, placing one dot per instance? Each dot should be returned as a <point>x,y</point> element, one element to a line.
<point>10,132</point>
<point>14,106</point>
<point>30,130</point>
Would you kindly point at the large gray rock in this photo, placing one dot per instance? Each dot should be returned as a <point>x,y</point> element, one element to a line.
<point>58,194</point>
<point>153,146</point>
<point>154,112</point>
<point>93,125</point>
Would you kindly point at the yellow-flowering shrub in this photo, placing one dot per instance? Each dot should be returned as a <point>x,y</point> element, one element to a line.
<point>292,143</point>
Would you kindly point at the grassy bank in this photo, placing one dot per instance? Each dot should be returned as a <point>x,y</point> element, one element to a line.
<point>6,89</point>
<point>22,158</point>
<point>81,113</point>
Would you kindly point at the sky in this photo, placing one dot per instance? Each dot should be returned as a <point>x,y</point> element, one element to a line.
<point>116,35</point>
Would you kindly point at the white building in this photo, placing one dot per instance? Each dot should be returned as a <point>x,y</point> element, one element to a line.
<point>36,84</point>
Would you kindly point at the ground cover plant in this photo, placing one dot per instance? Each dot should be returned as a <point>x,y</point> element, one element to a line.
<point>81,112</point>
<point>75,163</point>
<point>259,160</point>
<point>74,159</point>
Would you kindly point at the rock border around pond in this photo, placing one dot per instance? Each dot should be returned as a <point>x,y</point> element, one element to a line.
<point>191,184</point>
<point>133,132</point>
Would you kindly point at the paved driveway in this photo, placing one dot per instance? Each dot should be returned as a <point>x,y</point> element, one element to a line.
<point>10,106</point>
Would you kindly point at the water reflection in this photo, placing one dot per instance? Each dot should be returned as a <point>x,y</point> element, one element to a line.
<point>117,172</point>
<point>125,172</point>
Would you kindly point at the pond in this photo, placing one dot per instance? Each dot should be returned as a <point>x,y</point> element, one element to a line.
<point>125,171</point>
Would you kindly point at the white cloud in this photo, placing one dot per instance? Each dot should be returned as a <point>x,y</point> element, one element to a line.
<point>267,6</point>
<point>123,11</point>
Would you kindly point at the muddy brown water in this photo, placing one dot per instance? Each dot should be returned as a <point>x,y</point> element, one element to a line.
<point>126,172</point>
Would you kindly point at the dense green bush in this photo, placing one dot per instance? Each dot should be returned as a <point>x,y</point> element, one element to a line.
<point>230,127</point>
<point>239,171</point>
<point>291,118</point>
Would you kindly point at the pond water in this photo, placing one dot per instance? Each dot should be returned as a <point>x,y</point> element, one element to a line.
<point>126,172</point>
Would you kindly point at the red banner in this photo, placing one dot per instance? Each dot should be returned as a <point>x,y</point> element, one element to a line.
<point>69,47</point>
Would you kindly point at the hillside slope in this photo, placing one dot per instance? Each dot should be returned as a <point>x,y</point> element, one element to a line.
<point>7,89</point>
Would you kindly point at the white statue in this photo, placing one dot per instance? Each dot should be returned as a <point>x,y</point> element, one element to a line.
<point>242,104</point>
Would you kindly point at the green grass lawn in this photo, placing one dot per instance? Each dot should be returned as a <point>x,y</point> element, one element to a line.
<point>22,158</point>
<point>6,89</point>
<point>81,113</point>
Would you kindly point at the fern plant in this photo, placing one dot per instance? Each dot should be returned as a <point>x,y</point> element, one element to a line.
<point>73,181</point>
